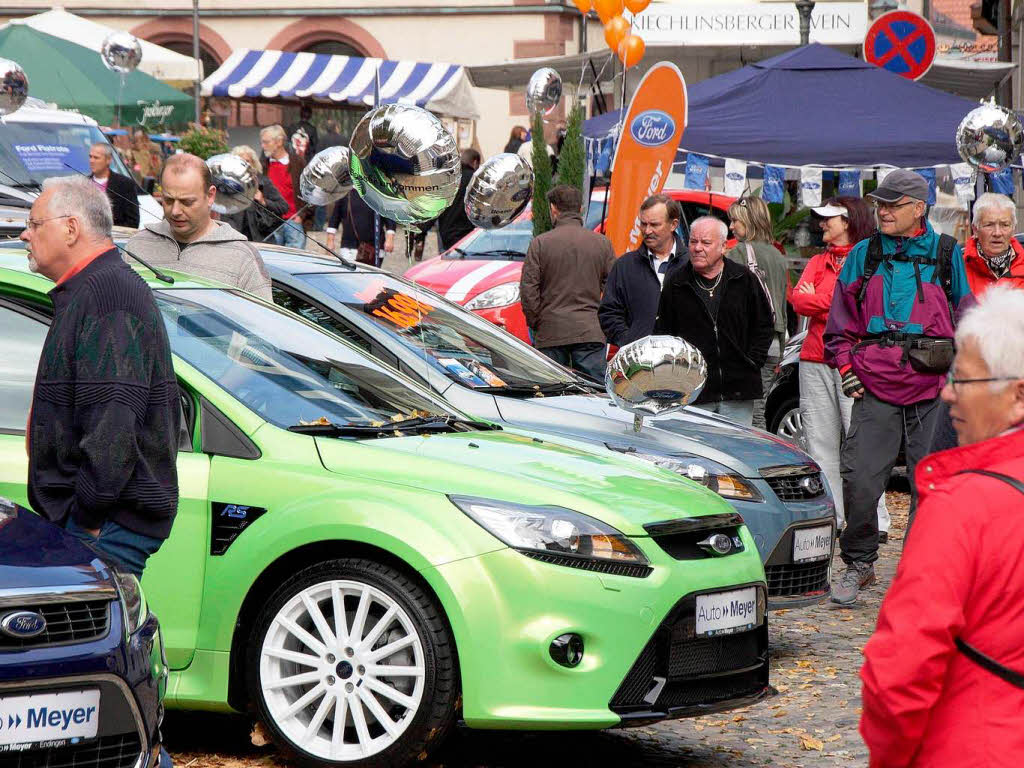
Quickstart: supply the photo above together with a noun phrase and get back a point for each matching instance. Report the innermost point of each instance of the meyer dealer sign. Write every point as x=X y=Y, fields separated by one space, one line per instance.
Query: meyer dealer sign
x=677 y=23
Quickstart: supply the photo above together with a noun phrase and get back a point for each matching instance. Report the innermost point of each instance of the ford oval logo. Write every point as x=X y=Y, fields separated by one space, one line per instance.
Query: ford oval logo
x=22 y=624
x=653 y=128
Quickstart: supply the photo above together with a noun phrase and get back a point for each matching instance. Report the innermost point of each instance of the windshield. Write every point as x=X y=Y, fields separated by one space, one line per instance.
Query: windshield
x=511 y=241
x=284 y=370
x=32 y=152
x=456 y=343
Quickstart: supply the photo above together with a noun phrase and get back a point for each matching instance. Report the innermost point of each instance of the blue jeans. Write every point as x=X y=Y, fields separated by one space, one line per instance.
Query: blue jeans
x=589 y=358
x=290 y=235
x=129 y=550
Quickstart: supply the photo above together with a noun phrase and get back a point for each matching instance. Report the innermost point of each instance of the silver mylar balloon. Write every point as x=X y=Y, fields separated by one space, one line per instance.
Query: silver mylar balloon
x=327 y=177
x=235 y=181
x=655 y=375
x=498 y=191
x=990 y=137
x=404 y=163
x=13 y=87
x=121 y=51
x=544 y=91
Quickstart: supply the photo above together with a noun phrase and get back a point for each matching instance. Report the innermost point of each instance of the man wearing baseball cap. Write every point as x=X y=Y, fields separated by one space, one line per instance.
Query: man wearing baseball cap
x=889 y=334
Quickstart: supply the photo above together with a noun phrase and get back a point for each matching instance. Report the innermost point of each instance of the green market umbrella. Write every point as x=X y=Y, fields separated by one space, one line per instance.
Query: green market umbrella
x=74 y=77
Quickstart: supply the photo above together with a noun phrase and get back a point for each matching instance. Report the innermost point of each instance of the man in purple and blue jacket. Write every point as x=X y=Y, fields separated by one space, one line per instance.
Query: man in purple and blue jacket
x=889 y=333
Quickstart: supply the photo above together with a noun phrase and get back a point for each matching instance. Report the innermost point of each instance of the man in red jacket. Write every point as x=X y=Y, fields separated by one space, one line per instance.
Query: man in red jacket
x=928 y=698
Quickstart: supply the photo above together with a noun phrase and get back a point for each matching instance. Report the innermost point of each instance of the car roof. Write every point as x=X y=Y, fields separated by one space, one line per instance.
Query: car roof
x=297 y=262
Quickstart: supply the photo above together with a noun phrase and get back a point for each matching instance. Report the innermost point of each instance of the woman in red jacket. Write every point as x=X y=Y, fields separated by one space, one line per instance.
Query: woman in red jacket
x=824 y=409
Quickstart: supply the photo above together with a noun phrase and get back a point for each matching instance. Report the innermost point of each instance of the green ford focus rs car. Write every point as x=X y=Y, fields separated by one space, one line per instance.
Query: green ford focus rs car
x=361 y=566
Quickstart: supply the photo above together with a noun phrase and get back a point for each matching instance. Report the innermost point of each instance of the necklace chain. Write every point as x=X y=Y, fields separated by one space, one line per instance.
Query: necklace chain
x=709 y=288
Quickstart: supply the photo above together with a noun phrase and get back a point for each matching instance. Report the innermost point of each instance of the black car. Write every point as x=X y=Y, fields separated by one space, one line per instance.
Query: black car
x=782 y=398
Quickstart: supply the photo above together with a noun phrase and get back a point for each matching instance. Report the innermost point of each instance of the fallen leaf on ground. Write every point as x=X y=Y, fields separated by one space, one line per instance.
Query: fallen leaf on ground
x=810 y=743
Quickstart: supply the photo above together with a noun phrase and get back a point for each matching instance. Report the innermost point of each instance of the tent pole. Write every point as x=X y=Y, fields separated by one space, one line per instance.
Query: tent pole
x=195 y=55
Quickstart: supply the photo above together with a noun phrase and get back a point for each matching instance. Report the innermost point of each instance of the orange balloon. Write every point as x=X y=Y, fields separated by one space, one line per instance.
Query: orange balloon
x=606 y=9
x=616 y=29
x=584 y=6
x=631 y=50
x=636 y=6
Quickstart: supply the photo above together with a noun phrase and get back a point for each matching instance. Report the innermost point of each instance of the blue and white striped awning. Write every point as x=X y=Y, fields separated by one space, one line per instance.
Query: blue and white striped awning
x=282 y=76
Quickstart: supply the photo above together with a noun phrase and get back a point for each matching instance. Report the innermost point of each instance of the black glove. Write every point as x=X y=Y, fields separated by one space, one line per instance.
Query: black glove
x=851 y=384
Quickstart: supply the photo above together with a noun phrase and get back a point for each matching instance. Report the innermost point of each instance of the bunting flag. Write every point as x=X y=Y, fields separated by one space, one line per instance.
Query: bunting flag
x=1002 y=181
x=735 y=177
x=810 y=187
x=964 y=178
x=696 y=171
x=929 y=176
x=881 y=173
x=849 y=184
x=774 y=190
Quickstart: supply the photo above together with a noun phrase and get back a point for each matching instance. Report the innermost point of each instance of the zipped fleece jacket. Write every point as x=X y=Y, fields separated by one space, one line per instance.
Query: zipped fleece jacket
x=961 y=575
x=891 y=303
x=222 y=254
x=103 y=431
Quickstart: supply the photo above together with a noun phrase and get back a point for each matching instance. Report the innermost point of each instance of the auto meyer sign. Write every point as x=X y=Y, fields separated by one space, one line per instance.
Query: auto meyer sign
x=713 y=23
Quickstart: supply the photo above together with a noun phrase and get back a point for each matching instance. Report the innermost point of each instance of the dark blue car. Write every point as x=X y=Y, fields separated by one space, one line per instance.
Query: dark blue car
x=82 y=670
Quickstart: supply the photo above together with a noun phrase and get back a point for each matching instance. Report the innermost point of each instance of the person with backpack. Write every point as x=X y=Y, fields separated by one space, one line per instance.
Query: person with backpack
x=890 y=336
x=943 y=674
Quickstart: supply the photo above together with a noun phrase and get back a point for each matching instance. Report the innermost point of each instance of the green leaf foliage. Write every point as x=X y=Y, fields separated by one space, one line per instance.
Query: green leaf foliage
x=572 y=160
x=541 y=177
x=204 y=142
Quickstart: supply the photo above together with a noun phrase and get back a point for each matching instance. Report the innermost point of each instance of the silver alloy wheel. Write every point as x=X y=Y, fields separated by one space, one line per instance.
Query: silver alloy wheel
x=791 y=427
x=342 y=670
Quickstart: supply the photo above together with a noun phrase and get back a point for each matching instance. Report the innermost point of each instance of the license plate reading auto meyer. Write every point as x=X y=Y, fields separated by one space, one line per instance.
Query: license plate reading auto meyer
x=722 y=613
x=41 y=717
x=812 y=544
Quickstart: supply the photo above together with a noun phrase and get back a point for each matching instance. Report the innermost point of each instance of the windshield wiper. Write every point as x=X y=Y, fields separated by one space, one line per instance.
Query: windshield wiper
x=387 y=429
x=505 y=253
x=558 y=388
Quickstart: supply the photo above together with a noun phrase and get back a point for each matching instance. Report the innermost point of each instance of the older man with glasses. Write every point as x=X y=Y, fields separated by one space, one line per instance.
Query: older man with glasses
x=890 y=336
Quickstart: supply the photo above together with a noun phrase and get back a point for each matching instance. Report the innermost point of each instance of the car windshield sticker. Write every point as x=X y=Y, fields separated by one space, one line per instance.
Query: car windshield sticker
x=52 y=158
x=471 y=372
x=398 y=308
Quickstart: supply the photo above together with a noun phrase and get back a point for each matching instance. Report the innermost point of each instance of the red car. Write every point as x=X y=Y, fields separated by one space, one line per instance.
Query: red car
x=482 y=270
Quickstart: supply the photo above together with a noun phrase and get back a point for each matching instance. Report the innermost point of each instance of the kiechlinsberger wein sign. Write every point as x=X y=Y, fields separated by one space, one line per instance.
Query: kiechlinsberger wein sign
x=768 y=23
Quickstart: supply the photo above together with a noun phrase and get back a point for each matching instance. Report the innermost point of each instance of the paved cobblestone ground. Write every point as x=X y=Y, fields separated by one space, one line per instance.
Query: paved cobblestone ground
x=816 y=658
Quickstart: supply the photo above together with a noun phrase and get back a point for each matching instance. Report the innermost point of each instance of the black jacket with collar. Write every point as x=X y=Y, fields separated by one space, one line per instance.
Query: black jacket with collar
x=735 y=344
x=630 y=301
x=124 y=200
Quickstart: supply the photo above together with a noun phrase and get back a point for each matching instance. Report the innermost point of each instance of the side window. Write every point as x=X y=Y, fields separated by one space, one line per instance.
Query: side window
x=20 y=346
x=316 y=315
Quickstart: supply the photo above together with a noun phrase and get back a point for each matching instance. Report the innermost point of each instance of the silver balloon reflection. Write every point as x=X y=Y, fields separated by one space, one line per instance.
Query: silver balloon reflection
x=544 y=91
x=655 y=375
x=235 y=181
x=327 y=177
x=498 y=191
x=990 y=137
x=121 y=52
x=13 y=87
x=404 y=163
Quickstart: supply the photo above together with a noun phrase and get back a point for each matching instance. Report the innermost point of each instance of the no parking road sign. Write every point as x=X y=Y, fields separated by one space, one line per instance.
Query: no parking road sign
x=901 y=42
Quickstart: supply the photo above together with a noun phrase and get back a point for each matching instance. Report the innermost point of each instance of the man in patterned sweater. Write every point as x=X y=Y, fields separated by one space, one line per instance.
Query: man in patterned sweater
x=103 y=430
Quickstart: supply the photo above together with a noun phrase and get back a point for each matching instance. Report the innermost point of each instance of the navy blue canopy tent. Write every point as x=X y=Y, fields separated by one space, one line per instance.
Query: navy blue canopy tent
x=816 y=106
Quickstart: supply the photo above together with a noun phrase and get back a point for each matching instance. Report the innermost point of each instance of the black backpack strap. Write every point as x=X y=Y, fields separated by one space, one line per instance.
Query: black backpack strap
x=944 y=270
x=871 y=263
x=1014 y=678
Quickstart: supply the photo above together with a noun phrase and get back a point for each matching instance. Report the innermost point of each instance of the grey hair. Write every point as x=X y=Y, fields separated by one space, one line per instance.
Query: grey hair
x=106 y=148
x=993 y=200
x=250 y=155
x=996 y=325
x=274 y=131
x=723 y=228
x=80 y=197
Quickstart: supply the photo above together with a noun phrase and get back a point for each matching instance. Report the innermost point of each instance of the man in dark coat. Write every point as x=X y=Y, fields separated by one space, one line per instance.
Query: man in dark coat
x=124 y=200
x=719 y=306
x=259 y=220
x=356 y=220
x=563 y=276
x=453 y=224
x=630 y=300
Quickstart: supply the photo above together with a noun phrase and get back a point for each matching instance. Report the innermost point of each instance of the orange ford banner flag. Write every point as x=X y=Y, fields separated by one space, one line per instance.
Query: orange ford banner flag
x=647 y=147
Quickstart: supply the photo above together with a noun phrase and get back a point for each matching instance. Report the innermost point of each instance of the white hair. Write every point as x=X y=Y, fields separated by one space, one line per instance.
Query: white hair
x=996 y=325
x=250 y=156
x=104 y=148
x=722 y=227
x=993 y=200
x=274 y=132
x=81 y=197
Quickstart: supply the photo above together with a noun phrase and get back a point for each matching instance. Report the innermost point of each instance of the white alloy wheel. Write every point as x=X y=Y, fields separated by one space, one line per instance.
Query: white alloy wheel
x=342 y=670
x=791 y=427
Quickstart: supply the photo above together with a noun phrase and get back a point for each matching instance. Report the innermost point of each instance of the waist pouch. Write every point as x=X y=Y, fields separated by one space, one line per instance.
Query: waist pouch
x=925 y=354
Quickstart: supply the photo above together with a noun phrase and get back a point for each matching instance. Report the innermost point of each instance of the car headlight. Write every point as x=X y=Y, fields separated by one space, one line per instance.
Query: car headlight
x=498 y=296
x=716 y=477
x=550 y=530
x=133 y=601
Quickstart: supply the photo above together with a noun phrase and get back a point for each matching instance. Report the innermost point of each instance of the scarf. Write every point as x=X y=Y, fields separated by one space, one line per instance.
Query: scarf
x=1000 y=265
x=839 y=253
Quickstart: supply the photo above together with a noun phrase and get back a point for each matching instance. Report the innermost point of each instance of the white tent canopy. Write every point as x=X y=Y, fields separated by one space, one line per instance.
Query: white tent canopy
x=161 y=63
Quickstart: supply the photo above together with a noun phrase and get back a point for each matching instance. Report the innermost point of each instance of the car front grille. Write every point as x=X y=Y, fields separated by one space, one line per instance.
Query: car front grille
x=790 y=579
x=73 y=621
x=121 y=751
x=795 y=483
x=678 y=670
x=681 y=538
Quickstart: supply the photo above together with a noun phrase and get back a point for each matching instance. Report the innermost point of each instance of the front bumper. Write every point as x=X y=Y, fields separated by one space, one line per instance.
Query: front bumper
x=505 y=609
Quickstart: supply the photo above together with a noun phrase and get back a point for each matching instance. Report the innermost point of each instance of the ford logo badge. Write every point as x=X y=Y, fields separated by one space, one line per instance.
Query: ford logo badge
x=22 y=625
x=652 y=128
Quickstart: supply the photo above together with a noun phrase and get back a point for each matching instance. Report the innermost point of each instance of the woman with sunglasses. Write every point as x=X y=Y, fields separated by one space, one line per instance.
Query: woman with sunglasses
x=824 y=409
x=751 y=224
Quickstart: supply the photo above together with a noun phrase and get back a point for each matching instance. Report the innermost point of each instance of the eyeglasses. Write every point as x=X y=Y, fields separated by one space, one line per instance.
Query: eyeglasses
x=880 y=206
x=35 y=224
x=954 y=382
